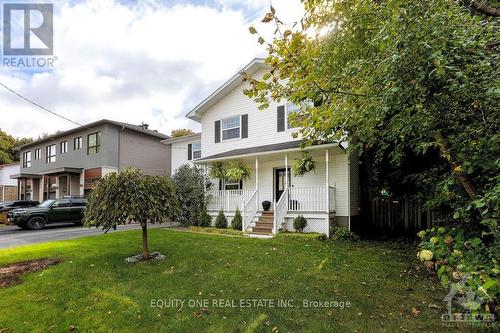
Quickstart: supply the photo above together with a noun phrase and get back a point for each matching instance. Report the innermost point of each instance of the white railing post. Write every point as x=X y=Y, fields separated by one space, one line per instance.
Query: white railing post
x=274 y=217
x=243 y=215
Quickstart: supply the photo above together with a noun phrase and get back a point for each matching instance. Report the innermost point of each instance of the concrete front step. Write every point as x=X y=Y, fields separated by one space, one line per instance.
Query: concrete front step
x=259 y=235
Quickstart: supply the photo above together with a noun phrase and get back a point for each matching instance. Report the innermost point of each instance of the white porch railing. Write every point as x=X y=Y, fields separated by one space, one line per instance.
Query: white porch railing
x=280 y=210
x=228 y=200
x=249 y=210
x=309 y=199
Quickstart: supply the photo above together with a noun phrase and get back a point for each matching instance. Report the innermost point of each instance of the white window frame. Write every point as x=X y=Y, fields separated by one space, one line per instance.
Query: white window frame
x=228 y=183
x=77 y=143
x=38 y=153
x=27 y=159
x=63 y=147
x=222 y=129
x=297 y=109
x=49 y=158
x=195 y=150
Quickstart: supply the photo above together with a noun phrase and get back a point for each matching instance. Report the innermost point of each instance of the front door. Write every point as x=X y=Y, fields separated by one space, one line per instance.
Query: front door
x=280 y=182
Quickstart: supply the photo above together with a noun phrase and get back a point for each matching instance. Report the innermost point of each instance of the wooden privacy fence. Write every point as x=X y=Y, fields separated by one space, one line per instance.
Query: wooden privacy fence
x=397 y=217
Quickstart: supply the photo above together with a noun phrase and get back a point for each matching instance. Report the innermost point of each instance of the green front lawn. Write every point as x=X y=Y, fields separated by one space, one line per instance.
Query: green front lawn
x=94 y=290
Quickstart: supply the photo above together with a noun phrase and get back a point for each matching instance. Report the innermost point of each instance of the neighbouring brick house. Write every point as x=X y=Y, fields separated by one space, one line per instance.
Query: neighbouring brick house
x=69 y=163
x=8 y=186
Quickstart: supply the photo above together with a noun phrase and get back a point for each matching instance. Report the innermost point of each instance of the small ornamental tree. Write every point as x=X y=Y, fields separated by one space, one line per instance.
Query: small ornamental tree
x=191 y=185
x=237 y=221
x=130 y=196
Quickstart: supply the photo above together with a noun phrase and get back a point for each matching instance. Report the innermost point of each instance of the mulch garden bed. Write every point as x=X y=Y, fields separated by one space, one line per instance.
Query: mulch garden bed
x=11 y=274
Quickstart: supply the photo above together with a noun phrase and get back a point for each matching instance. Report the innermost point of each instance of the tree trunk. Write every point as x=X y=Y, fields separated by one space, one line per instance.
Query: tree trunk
x=481 y=6
x=145 y=251
x=457 y=170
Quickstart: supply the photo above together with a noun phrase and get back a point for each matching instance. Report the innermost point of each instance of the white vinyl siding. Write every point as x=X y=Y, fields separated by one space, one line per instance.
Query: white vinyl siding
x=180 y=151
x=261 y=124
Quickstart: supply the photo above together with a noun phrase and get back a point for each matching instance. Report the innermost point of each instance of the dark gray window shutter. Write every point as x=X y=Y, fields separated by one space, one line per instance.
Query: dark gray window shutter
x=244 y=126
x=217 y=131
x=190 y=152
x=281 y=118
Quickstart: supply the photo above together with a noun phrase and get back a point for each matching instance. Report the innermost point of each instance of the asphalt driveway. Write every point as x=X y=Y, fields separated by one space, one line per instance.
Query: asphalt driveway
x=14 y=236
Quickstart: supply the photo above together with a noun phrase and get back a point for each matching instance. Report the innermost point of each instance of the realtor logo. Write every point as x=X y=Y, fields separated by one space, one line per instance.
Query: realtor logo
x=28 y=35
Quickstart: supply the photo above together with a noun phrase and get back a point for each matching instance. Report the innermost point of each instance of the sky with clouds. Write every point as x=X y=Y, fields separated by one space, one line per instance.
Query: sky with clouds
x=137 y=61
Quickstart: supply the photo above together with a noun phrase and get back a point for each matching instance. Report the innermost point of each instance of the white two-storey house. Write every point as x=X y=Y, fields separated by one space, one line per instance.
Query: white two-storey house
x=233 y=129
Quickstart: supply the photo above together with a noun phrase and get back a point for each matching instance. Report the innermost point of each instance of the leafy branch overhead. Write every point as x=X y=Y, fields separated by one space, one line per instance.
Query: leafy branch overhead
x=417 y=97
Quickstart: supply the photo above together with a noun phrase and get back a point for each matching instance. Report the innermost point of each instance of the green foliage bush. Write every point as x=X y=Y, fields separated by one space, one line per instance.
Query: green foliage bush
x=237 y=222
x=343 y=234
x=455 y=254
x=217 y=231
x=204 y=220
x=302 y=236
x=221 y=220
x=299 y=223
x=190 y=182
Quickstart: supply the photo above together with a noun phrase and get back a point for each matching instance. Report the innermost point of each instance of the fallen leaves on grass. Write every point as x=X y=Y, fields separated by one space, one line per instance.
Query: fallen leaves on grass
x=11 y=274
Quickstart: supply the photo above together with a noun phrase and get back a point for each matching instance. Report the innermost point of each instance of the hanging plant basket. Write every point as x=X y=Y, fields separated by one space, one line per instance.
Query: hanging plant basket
x=237 y=171
x=217 y=171
x=304 y=165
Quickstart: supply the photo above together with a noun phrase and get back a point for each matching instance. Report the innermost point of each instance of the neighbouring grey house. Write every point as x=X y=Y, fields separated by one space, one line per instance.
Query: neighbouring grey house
x=70 y=162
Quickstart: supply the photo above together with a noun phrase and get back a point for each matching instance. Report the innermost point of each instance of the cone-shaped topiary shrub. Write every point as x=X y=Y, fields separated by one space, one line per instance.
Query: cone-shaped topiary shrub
x=237 y=222
x=221 y=220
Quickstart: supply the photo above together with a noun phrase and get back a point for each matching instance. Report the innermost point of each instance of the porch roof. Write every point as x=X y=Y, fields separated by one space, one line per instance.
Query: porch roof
x=267 y=149
x=62 y=170
x=24 y=175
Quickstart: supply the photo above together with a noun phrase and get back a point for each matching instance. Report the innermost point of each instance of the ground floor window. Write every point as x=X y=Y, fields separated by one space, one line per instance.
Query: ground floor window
x=230 y=185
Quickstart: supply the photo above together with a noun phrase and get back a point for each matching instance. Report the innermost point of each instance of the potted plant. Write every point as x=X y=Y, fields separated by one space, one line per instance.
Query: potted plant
x=266 y=205
x=217 y=171
x=304 y=165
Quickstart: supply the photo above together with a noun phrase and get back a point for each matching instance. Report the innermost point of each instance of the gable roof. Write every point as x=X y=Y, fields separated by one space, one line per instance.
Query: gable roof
x=226 y=88
x=182 y=138
x=135 y=128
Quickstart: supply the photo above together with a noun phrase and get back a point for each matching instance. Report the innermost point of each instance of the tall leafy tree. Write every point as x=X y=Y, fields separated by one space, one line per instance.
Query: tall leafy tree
x=416 y=85
x=406 y=86
x=8 y=143
x=177 y=133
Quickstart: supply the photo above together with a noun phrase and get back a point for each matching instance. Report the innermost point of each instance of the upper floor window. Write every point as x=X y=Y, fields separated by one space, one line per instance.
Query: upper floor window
x=93 y=143
x=291 y=109
x=196 y=150
x=27 y=159
x=38 y=153
x=77 y=143
x=231 y=128
x=64 y=147
x=50 y=154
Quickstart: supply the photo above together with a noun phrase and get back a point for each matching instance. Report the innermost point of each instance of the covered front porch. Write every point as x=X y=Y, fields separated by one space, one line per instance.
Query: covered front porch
x=313 y=195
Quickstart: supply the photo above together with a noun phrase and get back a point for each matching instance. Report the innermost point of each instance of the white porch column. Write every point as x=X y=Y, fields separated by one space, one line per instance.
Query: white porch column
x=257 y=183
x=286 y=171
x=327 y=178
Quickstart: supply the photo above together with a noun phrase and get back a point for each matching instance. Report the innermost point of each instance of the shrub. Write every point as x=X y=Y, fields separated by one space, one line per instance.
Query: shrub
x=302 y=236
x=204 y=220
x=217 y=231
x=456 y=255
x=299 y=223
x=344 y=234
x=190 y=182
x=237 y=222
x=221 y=220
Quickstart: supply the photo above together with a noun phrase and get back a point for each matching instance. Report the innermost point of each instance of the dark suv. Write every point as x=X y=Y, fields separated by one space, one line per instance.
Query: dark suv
x=68 y=209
